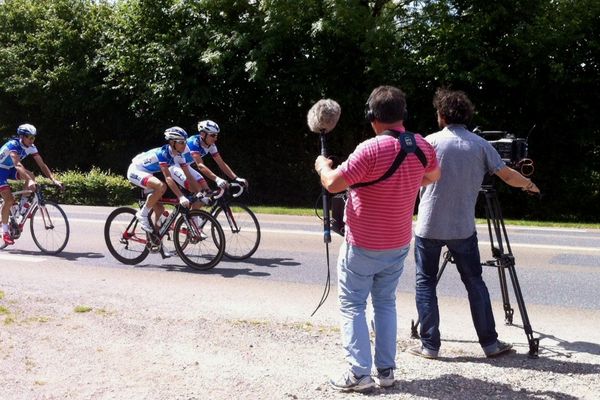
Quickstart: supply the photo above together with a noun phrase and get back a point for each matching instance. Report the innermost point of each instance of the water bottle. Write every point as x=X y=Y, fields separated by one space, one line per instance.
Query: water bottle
x=24 y=206
x=163 y=218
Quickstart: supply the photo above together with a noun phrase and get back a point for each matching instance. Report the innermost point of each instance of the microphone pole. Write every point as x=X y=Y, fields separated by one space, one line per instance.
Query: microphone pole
x=325 y=196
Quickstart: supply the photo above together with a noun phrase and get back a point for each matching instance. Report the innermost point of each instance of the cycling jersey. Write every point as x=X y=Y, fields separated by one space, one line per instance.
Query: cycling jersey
x=197 y=146
x=152 y=160
x=14 y=145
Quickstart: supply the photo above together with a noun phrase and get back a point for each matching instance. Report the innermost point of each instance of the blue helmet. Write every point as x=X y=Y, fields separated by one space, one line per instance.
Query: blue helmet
x=26 y=129
x=175 y=133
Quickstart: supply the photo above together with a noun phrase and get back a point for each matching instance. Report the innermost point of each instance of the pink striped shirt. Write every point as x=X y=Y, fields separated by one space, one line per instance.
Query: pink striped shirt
x=379 y=216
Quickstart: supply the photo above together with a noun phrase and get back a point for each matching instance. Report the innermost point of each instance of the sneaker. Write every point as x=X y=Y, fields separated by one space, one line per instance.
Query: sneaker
x=497 y=349
x=144 y=222
x=7 y=238
x=385 y=377
x=423 y=352
x=350 y=383
x=198 y=221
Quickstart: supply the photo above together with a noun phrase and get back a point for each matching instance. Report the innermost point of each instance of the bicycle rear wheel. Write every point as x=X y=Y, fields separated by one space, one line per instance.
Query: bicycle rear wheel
x=125 y=238
x=49 y=227
x=241 y=228
x=199 y=240
x=2 y=244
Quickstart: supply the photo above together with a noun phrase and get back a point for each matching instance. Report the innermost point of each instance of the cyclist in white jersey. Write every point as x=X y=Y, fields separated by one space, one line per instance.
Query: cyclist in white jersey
x=145 y=165
x=204 y=144
x=11 y=154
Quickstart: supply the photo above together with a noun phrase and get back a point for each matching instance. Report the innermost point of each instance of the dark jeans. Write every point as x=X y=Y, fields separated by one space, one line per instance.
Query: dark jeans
x=466 y=256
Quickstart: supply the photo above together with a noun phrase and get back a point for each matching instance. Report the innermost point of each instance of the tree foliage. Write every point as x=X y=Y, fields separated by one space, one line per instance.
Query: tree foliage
x=102 y=79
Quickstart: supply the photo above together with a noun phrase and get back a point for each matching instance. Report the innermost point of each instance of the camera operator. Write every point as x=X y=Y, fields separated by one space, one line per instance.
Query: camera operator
x=378 y=233
x=447 y=217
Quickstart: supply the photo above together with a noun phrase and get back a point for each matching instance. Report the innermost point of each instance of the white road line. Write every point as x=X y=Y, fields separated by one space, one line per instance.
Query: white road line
x=16 y=257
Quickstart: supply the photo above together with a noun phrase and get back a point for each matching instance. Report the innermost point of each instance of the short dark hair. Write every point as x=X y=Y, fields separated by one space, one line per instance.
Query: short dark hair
x=387 y=104
x=453 y=105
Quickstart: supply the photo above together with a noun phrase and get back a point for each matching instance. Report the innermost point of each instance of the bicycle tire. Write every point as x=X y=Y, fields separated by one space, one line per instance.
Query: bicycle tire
x=199 y=252
x=49 y=226
x=125 y=239
x=242 y=234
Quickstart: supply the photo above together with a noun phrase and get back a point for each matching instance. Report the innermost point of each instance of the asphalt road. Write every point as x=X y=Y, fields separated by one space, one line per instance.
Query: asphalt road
x=554 y=266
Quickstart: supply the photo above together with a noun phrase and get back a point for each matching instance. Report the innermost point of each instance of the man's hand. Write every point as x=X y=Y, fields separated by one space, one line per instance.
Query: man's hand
x=322 y=162
x=222 y=183
x=531 y=188
x=241 y=181
x=184 y=201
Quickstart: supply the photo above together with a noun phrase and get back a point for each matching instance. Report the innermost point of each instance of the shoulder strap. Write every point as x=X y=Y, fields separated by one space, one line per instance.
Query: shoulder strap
x=409 y=146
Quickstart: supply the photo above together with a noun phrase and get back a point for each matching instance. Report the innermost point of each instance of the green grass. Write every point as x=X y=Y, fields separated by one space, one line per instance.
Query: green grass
x=4 y=310
x=82 y=309
x=1 y=294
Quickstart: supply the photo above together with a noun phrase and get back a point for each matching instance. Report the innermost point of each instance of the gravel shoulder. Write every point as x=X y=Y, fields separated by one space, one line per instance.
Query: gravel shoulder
x=162 y=335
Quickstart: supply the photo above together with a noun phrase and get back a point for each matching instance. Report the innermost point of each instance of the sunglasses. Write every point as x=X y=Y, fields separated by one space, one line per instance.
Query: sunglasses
x=213 y=134
x=179 y=141
x=30 y=137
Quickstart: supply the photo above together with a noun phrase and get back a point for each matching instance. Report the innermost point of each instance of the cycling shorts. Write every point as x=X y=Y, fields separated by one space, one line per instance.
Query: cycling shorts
x=5 y=175
x=179 y=176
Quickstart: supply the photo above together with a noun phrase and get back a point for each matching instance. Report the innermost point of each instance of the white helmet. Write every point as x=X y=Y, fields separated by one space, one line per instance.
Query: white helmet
x=175 y=133
x=208 y=126
x=26 y=129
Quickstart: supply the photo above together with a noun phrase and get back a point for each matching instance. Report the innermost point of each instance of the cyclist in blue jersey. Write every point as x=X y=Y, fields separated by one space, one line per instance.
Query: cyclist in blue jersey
x=11 y=155
x=204 y=144
x=145 y=165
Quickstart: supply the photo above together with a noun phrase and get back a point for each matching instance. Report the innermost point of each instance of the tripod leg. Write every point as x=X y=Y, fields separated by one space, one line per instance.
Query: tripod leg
x=414 y=326
x=508 y=310
x=534 y=343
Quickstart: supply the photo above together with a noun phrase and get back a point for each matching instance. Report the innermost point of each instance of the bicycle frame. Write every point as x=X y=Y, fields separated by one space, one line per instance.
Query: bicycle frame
x=37 y=199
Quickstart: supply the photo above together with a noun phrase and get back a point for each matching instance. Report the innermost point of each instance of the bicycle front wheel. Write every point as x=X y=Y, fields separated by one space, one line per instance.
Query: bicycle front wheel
x=199 y=240
x=125 y=238
x=241 y=228
x=49 y=228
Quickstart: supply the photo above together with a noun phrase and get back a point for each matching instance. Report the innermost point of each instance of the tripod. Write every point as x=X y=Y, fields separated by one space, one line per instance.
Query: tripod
x=503 y=261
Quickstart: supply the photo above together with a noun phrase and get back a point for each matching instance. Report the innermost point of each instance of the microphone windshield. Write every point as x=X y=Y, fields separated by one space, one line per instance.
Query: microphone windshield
x=323 y=116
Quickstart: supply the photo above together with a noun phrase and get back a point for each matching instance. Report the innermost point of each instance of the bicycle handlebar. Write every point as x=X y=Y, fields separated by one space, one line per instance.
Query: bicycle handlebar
x=236 y=189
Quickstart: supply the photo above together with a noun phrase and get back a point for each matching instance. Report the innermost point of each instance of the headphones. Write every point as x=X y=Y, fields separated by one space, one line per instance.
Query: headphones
x=370 y=114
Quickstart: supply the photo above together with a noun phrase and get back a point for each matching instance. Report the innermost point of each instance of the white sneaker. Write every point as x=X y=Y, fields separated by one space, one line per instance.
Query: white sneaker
x=144 y=222
x=198 y=223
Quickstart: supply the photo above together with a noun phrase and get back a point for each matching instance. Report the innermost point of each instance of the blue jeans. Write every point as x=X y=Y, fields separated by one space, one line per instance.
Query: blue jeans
x=362 y=272
x=466 y=255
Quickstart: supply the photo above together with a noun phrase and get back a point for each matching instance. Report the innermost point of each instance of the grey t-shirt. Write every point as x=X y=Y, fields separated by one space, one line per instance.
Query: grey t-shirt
x=447 y=207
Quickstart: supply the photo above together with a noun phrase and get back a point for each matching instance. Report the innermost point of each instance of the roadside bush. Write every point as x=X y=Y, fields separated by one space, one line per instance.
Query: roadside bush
x=93 y=188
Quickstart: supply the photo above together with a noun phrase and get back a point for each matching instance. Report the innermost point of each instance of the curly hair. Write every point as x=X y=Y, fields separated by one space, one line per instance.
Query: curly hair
x=453 y=105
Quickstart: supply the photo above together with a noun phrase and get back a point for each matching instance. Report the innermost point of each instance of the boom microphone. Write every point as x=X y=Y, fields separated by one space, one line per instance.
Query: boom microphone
x=323 y=116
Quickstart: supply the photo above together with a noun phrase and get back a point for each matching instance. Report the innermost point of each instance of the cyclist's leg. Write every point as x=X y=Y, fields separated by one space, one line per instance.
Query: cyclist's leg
x=155 y=186
x=8 y=201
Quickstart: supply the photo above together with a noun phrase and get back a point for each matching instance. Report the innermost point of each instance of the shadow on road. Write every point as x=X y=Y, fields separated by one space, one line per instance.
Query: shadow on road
x=66 y=255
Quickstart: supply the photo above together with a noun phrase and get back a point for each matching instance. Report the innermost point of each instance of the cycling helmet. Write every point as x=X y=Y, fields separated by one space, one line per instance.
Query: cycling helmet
x=208 y=126
x=26 y=129
x=175 y=133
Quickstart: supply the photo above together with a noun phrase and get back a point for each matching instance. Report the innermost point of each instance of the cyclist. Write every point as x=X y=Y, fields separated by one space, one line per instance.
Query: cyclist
x=204 y=144
x=11 y=155
x=145 y=165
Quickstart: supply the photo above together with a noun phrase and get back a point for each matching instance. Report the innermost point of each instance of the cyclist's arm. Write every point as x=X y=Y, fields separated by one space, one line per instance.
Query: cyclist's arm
x=204 y=170
x=170 y=181
x=224 y=167
x=44 y=168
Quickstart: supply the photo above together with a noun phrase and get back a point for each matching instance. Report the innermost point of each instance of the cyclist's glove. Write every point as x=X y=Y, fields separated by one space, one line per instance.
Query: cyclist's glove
x=184 y=201
x=222 y=183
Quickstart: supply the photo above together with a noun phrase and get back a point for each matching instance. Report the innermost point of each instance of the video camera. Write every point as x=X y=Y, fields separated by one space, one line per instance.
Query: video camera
x=512 y=150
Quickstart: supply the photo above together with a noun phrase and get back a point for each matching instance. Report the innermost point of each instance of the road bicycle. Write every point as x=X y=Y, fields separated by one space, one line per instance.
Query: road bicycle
x=196 y=235
x=47 y=221
x=240 y=225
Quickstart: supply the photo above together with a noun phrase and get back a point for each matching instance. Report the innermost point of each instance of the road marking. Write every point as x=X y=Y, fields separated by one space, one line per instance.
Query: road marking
x=17 y=257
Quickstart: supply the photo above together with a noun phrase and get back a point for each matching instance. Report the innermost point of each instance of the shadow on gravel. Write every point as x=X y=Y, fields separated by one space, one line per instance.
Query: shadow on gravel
x=453 y=386
x=67 y=255
x=275 y=262
x=543 y=364
x=573 y=347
